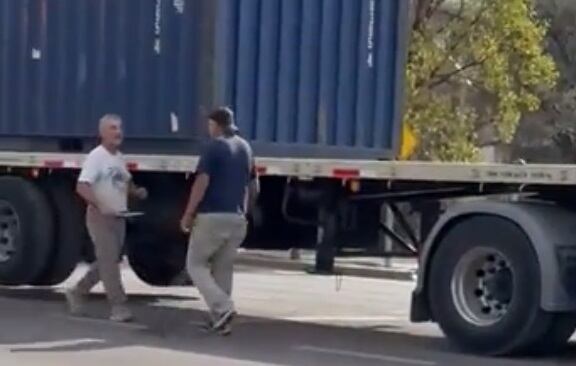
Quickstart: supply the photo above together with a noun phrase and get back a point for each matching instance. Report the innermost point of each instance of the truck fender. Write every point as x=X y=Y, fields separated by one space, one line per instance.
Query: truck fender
x=552 y=231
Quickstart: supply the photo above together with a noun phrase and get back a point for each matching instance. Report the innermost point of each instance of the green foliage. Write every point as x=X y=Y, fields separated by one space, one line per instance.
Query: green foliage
x=472 y=64
x=438 y=139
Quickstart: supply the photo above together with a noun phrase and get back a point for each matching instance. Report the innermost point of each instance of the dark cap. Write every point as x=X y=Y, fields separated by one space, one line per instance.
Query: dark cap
x=224 y=118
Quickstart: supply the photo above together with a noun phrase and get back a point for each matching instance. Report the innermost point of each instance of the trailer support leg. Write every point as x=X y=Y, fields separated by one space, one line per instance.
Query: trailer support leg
x=327 y=246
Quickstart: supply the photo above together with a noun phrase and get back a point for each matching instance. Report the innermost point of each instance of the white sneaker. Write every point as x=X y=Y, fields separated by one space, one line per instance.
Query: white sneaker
x=121 y=314
x=76 y=303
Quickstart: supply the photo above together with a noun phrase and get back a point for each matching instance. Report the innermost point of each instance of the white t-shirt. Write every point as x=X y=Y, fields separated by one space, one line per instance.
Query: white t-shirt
x=109 y=178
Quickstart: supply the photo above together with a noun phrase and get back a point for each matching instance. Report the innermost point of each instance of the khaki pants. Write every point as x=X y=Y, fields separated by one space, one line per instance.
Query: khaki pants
x=212 y=251
x=107 y=234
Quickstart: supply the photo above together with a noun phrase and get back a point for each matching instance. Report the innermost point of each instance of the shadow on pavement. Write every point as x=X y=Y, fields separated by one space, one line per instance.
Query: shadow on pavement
x=41 y=321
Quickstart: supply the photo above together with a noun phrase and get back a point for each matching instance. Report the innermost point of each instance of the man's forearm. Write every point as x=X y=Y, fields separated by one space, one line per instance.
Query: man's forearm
x=251 y=194
x=197 y=194
x=254 y=188
x=193 y=203
x=85 y=191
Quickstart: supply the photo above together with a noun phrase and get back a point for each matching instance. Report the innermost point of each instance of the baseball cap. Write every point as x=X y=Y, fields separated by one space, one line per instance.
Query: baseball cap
x=224 y=117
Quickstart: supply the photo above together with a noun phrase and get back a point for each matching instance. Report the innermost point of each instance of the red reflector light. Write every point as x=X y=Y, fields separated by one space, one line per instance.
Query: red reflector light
x=53 y=164
x=346 y=173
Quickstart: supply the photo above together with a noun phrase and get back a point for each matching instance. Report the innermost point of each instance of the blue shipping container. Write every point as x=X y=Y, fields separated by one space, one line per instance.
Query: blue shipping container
x=307 y=78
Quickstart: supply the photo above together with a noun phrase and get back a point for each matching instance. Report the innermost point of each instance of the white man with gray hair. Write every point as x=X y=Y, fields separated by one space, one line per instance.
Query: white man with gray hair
x=105 y=184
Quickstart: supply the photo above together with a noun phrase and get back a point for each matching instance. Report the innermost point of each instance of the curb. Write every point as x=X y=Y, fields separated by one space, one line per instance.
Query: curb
x=400 y=274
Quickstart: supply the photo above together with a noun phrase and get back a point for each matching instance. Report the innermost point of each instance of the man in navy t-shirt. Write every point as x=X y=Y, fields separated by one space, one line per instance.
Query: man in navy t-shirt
x=225 y=183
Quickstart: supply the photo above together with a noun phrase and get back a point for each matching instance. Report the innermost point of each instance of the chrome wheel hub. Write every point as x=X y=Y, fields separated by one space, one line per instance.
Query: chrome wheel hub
x=482 y=286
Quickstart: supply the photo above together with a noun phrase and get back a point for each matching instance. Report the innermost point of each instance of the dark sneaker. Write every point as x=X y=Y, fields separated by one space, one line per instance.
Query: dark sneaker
x=223 y=321
x=207 y=325
x=225 y=331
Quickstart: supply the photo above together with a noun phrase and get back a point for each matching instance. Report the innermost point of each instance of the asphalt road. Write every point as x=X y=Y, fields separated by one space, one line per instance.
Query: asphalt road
x=288 y=319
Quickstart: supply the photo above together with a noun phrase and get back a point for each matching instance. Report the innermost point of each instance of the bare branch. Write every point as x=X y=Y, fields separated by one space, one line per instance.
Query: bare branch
x=457 y=42
x=446 y=77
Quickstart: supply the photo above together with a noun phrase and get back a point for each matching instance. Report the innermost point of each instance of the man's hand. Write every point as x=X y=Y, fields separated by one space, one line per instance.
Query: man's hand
x=106 y=211
x=141 y=193
x=187 y=222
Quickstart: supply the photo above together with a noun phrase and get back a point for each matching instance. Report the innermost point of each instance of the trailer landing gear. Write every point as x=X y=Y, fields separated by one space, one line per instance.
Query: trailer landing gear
x=327 y=246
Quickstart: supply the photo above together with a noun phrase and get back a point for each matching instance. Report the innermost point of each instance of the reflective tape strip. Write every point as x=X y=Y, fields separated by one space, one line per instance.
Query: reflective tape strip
x=261 y=170
x=53 y=164
x=132 y=166
x=345 y=173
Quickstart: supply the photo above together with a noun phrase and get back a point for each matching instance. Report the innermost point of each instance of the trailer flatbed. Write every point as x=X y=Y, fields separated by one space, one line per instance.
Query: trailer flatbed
x=481 y=173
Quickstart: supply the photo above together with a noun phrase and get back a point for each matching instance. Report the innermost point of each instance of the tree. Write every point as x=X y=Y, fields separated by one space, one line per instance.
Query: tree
x=474 y=68
x=549 y=135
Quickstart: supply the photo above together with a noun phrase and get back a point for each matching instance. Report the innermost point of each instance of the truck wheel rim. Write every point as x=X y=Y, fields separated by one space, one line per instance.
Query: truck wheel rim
x=482 y=286
x=9 y=230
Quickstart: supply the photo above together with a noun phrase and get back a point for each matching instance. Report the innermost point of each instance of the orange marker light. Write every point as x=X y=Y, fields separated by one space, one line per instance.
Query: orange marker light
x=355 y=186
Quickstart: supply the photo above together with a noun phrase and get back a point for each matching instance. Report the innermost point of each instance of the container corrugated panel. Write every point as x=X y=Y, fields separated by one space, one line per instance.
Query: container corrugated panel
x=64 y=63
x=325 y=76
x=314 y=78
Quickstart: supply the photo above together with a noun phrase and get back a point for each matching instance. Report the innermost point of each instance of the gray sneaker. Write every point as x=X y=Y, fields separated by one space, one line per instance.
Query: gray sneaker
x=121 y=314
x=76 y=303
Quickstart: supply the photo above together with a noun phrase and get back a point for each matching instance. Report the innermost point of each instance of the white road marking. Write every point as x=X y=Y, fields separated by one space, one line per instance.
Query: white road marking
x=133 y=326
x=347 y=319
x=367 y=356
x=52 y=344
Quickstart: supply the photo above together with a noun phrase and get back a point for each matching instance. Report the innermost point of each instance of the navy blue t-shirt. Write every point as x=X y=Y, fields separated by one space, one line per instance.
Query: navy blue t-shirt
x=228 y=161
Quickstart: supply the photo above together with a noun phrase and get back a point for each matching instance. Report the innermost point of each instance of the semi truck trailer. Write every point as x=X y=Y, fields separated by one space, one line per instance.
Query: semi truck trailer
x=317 y=87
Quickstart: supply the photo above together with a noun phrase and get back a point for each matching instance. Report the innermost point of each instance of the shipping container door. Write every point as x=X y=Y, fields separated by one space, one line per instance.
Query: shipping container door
x=321 y=76
x=65 y=63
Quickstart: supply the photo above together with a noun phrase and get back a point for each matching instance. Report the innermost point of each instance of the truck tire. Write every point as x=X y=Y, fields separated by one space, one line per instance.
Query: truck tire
x=156 y=247
x=484 y=289
x=26 y=231
x=156 y=260
x=70 y=236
